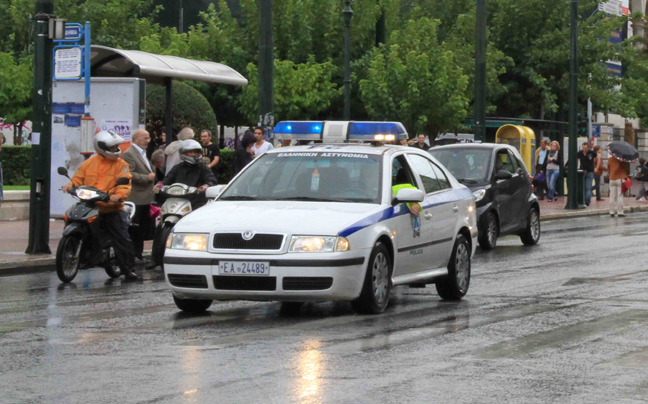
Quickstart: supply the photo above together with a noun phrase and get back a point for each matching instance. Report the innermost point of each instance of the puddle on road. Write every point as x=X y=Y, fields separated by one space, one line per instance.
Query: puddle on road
x=636 y=359
x=437 y=328
x=555 y=338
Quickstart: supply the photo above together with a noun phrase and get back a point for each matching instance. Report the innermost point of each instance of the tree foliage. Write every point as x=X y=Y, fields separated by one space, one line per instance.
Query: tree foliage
x=190 y=108
x=15 y=89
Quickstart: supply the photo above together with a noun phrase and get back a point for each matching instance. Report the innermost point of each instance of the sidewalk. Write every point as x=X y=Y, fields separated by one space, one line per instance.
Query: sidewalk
x=14 y=235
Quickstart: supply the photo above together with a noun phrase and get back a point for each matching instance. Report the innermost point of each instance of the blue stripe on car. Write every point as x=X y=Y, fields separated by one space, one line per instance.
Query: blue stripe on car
x=399 y=210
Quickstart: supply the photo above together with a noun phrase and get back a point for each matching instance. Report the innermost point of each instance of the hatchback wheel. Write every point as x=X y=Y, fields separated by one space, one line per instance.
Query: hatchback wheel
x=531 y=234
x=455 y=285
x=377 y=283
x=488 y=238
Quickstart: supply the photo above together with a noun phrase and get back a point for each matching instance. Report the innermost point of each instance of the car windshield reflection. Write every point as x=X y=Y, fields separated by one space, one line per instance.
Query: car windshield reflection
x=467 y=165
x=311 y=177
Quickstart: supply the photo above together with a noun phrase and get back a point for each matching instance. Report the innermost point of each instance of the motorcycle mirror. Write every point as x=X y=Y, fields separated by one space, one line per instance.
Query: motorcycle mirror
x=63 y=171
x=122 y=181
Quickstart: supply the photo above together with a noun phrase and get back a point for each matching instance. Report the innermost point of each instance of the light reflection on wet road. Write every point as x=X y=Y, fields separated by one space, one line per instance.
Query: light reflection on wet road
x=564 y=321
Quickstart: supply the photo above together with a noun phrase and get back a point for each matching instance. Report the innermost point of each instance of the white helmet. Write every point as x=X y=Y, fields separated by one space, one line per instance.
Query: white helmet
x=104 y=141
x=187 y=145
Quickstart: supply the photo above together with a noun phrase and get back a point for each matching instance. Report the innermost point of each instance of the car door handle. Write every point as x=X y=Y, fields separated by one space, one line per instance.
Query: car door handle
x=427 y=216
x=455 y=209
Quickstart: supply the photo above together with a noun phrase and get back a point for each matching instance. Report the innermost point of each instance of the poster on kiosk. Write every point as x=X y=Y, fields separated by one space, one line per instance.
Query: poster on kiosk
x=117 y=104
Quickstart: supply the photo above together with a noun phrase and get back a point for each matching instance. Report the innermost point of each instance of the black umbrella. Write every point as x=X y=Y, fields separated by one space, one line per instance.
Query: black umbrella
x=623 y=151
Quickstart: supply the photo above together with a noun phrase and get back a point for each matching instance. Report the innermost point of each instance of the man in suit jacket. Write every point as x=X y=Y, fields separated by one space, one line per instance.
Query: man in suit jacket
x=142 y=188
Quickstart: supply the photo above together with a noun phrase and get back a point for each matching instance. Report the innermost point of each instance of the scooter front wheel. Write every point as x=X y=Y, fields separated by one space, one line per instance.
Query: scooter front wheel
x=111 y=266
x=68 y=258
x=159 y=244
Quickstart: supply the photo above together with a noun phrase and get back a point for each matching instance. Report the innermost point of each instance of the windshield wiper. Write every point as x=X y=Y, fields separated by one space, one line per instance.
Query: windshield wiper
x=466 y=181
x=307 y=198
x=238 y=198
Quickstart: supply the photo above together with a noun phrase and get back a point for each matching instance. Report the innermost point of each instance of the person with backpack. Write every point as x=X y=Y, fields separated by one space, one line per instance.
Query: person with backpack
x=641 y=174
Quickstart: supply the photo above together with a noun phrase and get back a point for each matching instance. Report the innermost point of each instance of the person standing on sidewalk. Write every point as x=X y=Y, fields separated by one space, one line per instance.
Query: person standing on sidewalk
x=173 y=150
x=598 y=171
x=420 y=144
x=541 y=157
x=1 y=192
x=618 y=173
x=586 y=163
x=142 y=190
x=210 y=152
x=553 y=169
x=260 y=146
x=641 y=174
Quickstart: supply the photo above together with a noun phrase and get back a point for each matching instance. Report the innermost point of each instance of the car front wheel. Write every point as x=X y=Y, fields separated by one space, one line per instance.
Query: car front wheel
x=531 y=234
x=455 y=285
x=488 y=238
x=377 y=283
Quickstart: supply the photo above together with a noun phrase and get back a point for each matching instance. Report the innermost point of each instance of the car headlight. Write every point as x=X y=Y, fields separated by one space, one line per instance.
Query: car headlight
x=188 y=241
x=318 y=244
x=479 y=194
x=86 y=194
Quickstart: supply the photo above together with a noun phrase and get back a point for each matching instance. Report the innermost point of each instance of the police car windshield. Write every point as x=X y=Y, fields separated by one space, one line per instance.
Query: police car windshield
x=468 y=165
x=310 y=176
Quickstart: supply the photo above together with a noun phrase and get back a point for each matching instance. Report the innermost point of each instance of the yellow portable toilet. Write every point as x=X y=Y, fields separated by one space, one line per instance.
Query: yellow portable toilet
x=522 y=138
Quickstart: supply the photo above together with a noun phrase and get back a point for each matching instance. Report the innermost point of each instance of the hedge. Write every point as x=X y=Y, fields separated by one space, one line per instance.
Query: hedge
x=16 y=165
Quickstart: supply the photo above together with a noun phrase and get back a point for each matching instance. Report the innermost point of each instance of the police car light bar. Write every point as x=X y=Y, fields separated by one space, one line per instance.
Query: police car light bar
x=380 y=131
x=302 y=130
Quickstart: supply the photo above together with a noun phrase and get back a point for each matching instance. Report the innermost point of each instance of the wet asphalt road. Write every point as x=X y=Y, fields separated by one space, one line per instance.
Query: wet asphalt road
x=562 y=322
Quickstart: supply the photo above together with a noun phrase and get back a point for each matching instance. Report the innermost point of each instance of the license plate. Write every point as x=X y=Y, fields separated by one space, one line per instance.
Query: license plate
x=243 y=268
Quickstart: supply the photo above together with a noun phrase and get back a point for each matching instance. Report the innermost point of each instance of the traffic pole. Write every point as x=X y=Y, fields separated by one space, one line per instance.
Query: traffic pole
x=266 y=66
x=572 y=175
x=348 y=13
x=39 y=196
x=480 y=73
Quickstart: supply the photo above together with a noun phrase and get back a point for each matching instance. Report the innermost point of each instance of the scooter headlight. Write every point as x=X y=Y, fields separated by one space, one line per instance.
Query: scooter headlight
x=86 y=194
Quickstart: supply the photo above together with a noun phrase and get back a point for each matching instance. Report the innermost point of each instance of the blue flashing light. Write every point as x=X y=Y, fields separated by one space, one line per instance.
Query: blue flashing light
x=297 y=128
x=368 y=130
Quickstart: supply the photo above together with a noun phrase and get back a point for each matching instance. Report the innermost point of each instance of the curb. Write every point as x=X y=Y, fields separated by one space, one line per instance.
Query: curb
x=35 y=266
x=584 y=213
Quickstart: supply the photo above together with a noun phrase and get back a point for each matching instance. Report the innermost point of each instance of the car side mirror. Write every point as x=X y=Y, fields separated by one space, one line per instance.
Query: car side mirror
x=122 y=181
x=213 y=192
x=408 y=195
x=63 y=171
x=503 y=175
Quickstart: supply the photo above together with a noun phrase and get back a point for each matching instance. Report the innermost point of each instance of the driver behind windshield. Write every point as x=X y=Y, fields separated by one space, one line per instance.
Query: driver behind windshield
x=191 y=172
x=101 y=172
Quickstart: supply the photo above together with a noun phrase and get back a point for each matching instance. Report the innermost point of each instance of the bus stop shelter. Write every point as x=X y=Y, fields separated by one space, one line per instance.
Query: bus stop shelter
x=160 y=69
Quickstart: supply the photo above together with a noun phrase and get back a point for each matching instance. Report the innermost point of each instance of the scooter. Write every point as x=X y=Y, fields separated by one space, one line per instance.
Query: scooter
x=82 y=234
x=175 y=207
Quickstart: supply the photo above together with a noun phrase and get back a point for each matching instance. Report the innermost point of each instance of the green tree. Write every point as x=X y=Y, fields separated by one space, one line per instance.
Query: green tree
x=190 y=108
x=414 y=80
x=302 y=91
x=15 y=89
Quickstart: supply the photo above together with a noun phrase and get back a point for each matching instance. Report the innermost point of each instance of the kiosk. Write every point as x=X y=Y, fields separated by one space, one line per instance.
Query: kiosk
x=522 y=138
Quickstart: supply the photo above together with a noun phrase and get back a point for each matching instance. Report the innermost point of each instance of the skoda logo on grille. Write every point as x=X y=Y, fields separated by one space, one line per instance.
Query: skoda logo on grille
x=248 y=235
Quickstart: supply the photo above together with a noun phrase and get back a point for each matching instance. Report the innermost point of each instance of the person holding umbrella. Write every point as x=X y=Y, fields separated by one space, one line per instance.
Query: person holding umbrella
x=621 y=155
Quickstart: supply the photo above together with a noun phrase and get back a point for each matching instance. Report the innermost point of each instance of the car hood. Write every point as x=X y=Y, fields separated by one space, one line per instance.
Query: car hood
x=290 y=217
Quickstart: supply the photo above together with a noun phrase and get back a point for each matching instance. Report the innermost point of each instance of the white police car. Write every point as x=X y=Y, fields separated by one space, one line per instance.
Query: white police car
x=321 y=222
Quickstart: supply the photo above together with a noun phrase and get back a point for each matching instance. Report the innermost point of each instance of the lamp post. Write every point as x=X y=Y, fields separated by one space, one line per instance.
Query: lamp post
x=39 y=197
x=480 y=73
x=348 y=13
x=572 y=201
x=266 y=62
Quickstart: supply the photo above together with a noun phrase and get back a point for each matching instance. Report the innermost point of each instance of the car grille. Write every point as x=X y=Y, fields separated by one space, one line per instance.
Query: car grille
x=307 y=283
x=235 y=241
x=245 y=283
x=188 y=281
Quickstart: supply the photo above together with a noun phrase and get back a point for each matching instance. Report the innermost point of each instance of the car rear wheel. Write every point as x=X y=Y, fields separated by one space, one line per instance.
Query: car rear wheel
x=291 y=308
x=488 y=238
x=455 y=285
x=192 y=305
x=531 y=234
x=377 y=283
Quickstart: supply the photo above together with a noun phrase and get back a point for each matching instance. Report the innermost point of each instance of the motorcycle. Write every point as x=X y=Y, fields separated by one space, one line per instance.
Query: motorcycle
x=82 y=234
x=175 y=207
